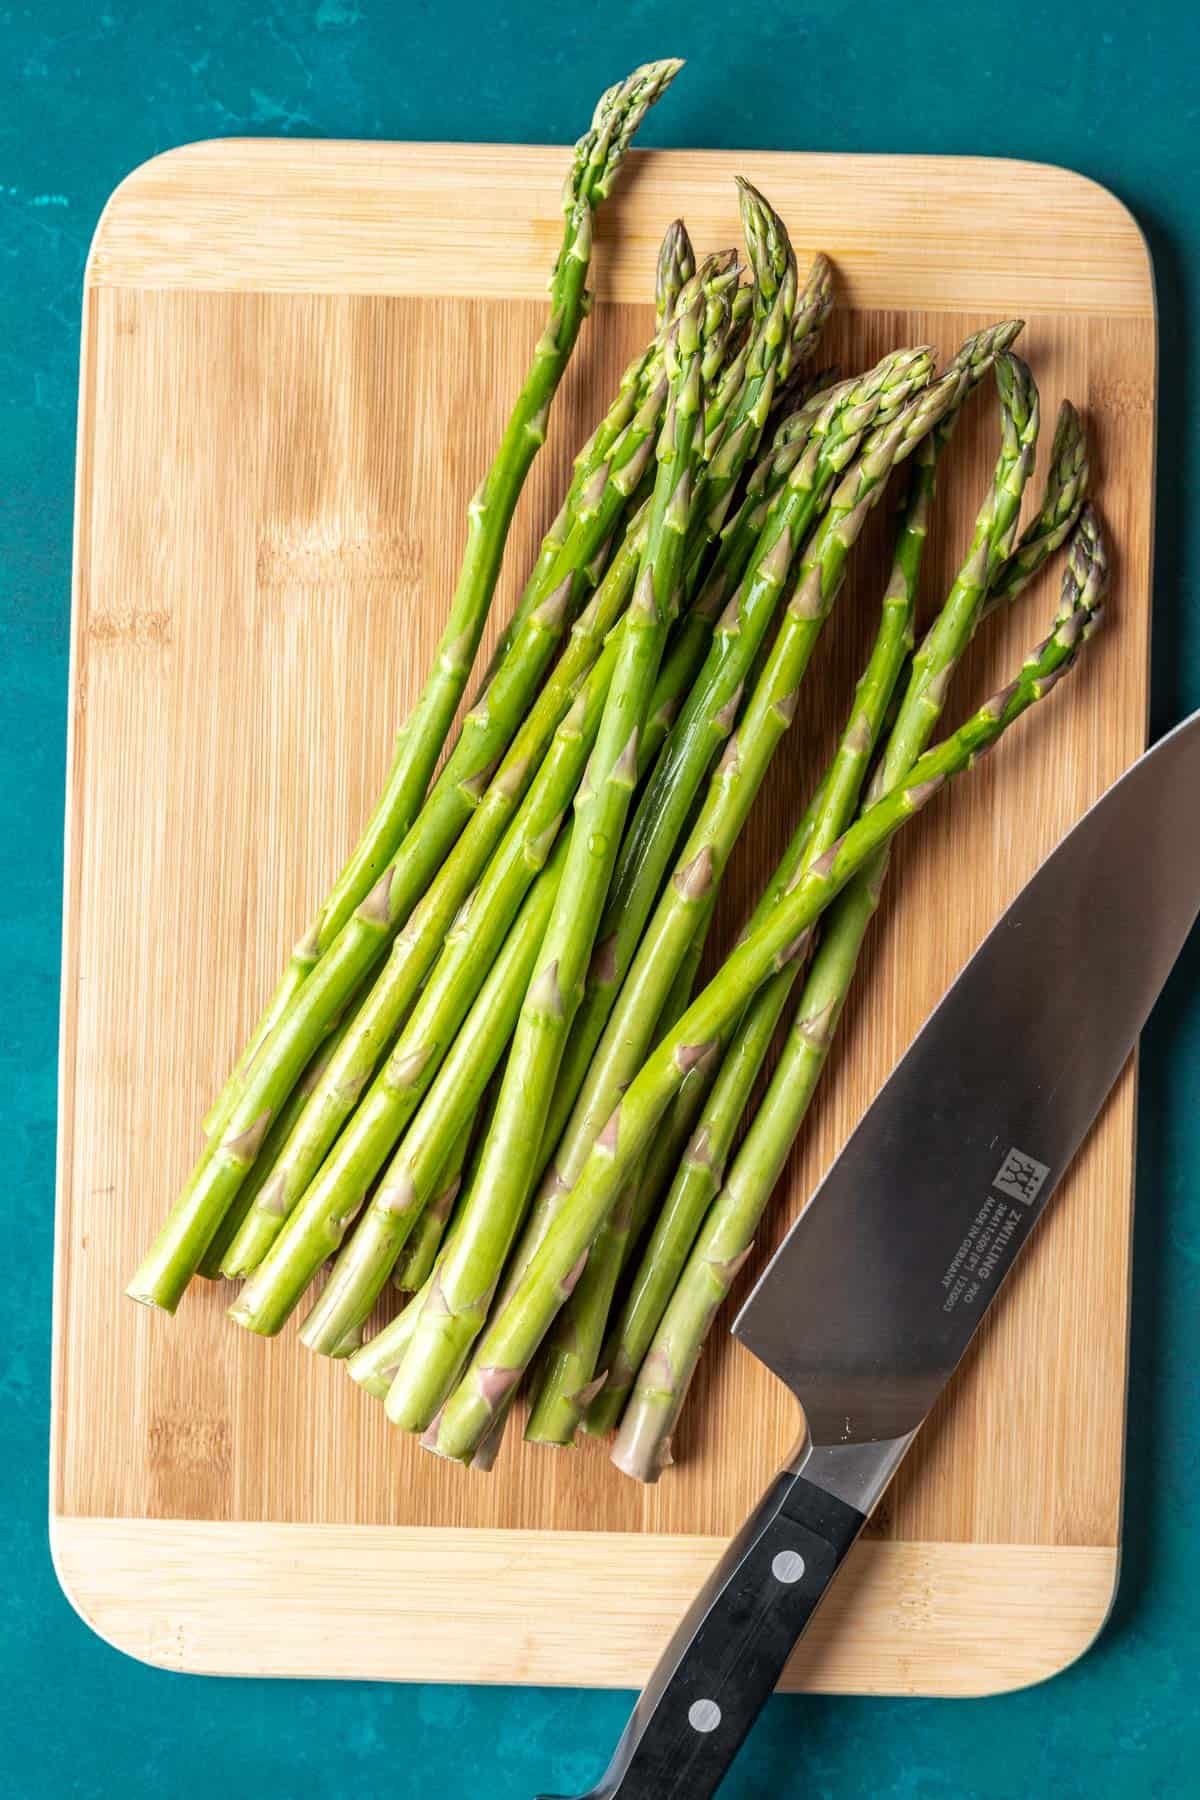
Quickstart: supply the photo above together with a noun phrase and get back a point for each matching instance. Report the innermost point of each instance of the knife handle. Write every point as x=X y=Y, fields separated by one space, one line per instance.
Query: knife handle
x=726 y=1657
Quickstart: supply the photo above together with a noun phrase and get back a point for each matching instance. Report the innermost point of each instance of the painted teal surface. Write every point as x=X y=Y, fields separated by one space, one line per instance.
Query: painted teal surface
x=93 y=89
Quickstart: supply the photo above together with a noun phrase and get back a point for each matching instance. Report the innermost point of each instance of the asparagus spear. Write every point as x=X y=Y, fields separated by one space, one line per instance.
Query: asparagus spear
x=739 y=534
x=336 y=1192
x=211 y=1264
x=315 y=1229
x=374 y=1364
x=847 y=922
x=1062 y=502
x=636 y=386
x=514 y=1335
x=839 y=431
x=597 y=158
x=643 y=1443
x=568 y=1383
x=418 y=945
x=362 y=896
x=676 y=266
x=457 y=1093
x=455 y=1309
x=739 y=407
x=393 y=994
x=365 y=1262
x=425 y=1239
x=992 y=542
x=832 y=807
x=737 y=781
x=623 y=1045
x=423 y=1244
x=696 y=1182
x=713 y=580
x=559 y=1176
x=633 y=1205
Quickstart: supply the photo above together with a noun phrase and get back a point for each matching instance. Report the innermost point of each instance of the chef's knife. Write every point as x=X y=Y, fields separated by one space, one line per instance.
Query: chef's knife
x=872 y=1299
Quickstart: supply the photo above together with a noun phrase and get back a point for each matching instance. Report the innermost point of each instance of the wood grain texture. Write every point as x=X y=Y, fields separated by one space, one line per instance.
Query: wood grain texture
x=903 y=1618
x=947 y=233
x=269 y=517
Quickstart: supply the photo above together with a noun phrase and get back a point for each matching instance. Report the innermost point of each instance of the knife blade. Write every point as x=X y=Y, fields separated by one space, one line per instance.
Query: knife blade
x=868 y=1306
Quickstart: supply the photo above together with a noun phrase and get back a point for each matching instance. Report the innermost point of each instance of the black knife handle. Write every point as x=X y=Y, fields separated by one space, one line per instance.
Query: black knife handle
x=725 y=1660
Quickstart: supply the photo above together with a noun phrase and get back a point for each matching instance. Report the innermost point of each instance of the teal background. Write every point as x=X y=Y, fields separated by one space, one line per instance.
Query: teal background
x=92 y=90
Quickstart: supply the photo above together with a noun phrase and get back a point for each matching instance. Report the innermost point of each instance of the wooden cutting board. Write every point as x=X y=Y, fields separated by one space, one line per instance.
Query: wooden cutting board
x=295 y=359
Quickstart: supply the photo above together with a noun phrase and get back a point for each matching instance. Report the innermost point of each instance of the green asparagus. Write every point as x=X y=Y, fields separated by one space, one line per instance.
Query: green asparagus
x=264 y=1079
x=452 y=1315
x=621 y=1048
x=517 y=1330
x=596 y=161
x=643 y=1443
x=704 y=724
x=846 y=925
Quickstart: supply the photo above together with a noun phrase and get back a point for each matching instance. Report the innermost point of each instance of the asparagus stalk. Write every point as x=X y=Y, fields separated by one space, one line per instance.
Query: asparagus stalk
x=676 y=266
x=568 y=1382
x=425 y=1239
x=455 y=1309
x=636 y=1213
x=560 y=1175
x=518 y=1329
x=456 y=1094
x=737 y=413
x=739 y=534
x=698 y=1176
x=675 y=269
x=365 y=1262
x=1062 y=502
x=419 y=943
x=741 y=402
x=846 y=925
x=831 y=809
x=713 y=580
x=643 y=1442
x=739 y=778
x=840 y=430
x=316 y=1227
x=636 y=386
x=374 y=1364
x=211 y=1264
x=337 y=1191
x=362 y=902
x=991 y=544
x=696 y=1181
x=597 y=158
x=424 y=1243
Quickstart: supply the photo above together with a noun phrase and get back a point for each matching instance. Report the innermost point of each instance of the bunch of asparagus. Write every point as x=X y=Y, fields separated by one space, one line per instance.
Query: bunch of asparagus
x=486 y=1074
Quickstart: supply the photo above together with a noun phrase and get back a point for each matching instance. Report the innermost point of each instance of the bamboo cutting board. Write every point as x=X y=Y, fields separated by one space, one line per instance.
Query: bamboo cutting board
x=296 y=357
